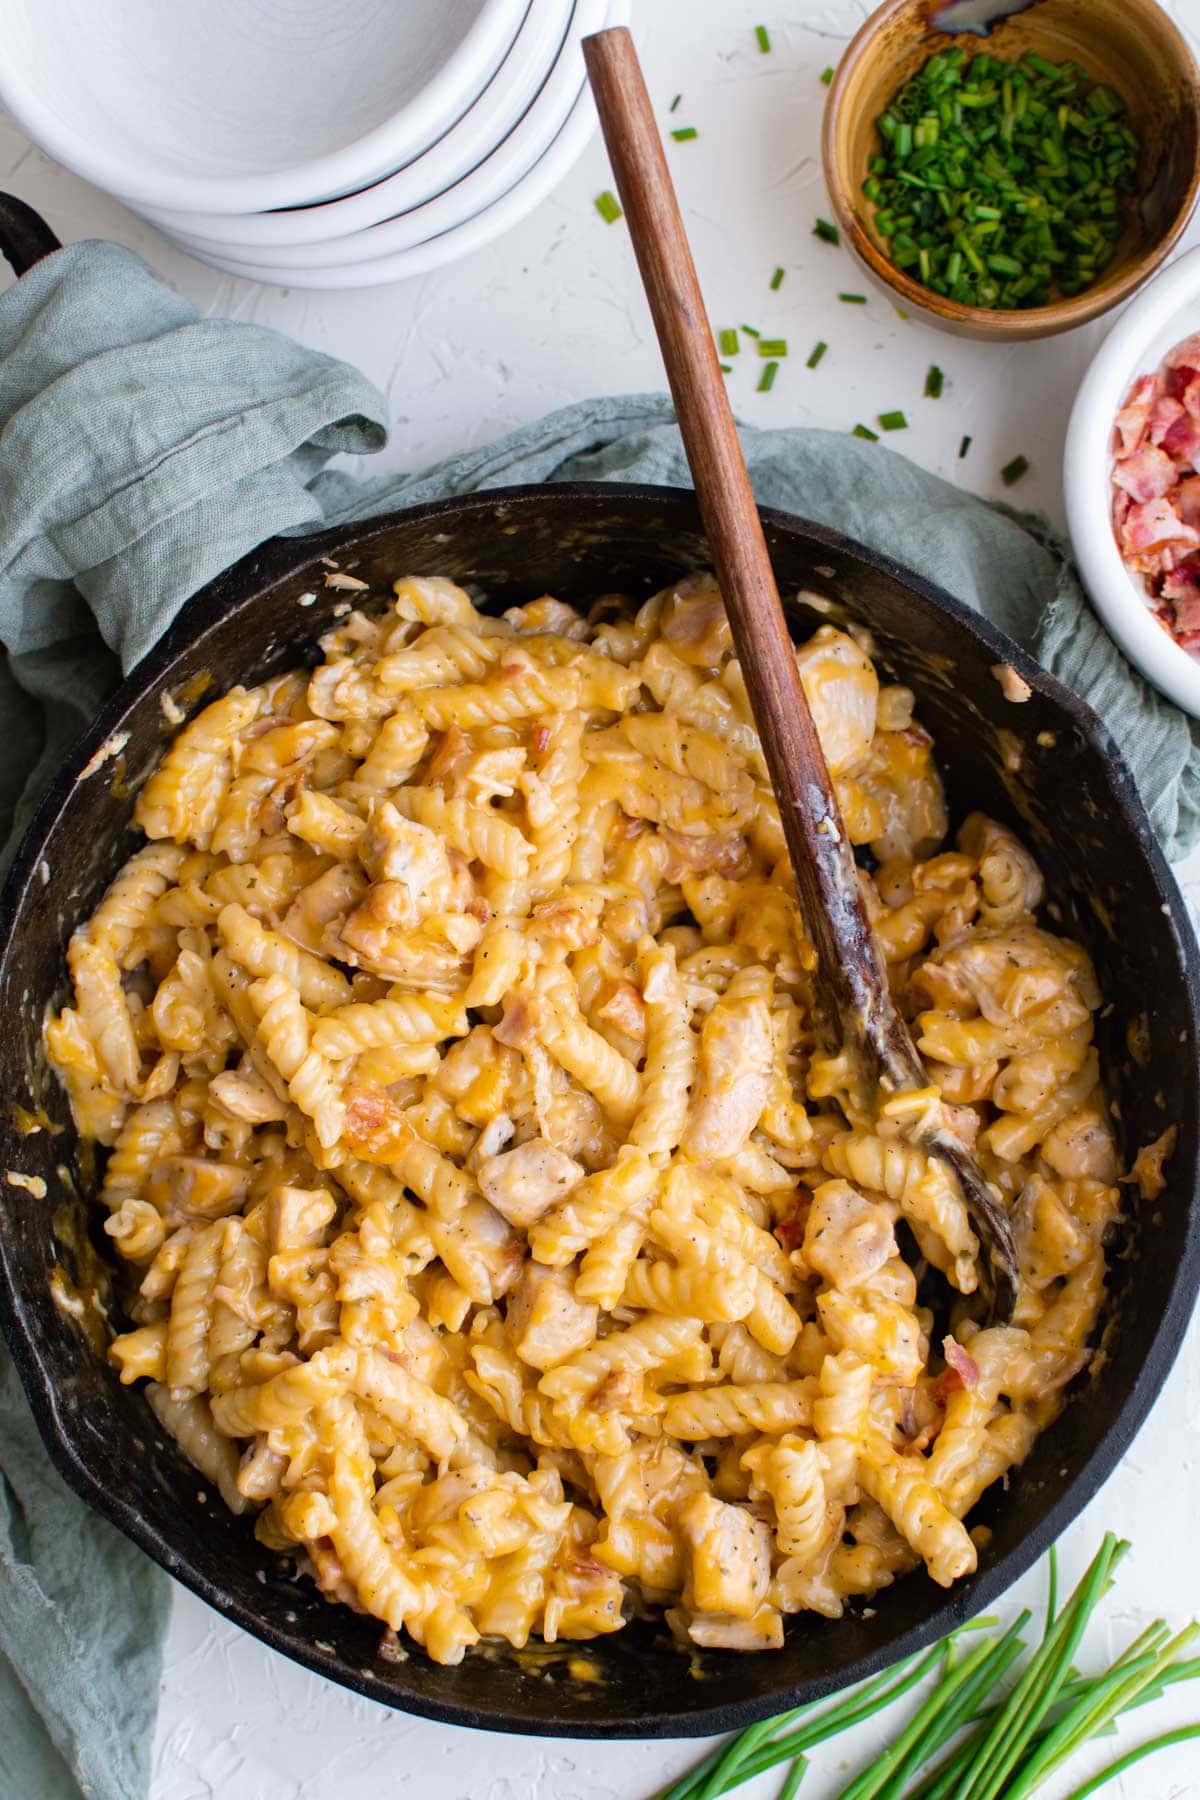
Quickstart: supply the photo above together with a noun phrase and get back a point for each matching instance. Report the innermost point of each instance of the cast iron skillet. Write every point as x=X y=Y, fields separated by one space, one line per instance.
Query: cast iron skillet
x=1073 y=801
x=1071 y=798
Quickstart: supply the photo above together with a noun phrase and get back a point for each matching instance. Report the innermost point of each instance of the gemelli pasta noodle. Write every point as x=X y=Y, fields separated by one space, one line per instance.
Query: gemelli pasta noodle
x=494 y=1230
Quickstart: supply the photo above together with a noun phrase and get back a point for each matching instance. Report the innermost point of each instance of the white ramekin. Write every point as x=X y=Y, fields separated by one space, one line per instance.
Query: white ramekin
x=1166 y=311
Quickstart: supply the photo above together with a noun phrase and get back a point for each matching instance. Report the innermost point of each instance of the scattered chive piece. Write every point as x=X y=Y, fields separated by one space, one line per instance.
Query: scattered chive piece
x=963 y=448
x=777 y=280
x=935 y=381
x=766 y=380
x=1013 y=471
x=608 y=206
x=818 y=352
x=827 y=75
x=725 y=368
x=864 y=431
x=853 y=299
x=685 y=134
x=893 y=421
x=675 y=102
x=764 y=38
x=828 y=233
x=772 y=346
x=750 y=331
x=727 y=341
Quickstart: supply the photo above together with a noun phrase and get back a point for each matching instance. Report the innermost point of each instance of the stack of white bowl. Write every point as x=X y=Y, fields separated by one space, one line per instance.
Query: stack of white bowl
x=310 y=143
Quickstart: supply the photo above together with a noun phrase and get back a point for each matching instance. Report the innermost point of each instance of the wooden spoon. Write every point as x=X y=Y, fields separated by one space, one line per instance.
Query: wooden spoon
x=856 y=1013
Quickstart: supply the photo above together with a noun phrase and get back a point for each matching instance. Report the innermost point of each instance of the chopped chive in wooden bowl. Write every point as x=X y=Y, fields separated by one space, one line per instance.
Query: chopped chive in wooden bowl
x=1002 y=183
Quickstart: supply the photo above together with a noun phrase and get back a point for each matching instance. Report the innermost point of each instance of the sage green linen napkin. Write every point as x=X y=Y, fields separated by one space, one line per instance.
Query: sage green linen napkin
x=142 y=450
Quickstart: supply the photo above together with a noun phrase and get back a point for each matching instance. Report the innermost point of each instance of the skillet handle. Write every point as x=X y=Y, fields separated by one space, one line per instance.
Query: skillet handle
x=25 y=236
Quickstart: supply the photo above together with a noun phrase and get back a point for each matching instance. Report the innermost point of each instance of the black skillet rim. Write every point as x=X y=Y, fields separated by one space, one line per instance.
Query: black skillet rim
x=286 y=558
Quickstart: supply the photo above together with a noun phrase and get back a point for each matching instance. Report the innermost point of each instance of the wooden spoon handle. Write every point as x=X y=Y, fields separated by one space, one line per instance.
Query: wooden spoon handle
x=856 y=1011
x=822 y=857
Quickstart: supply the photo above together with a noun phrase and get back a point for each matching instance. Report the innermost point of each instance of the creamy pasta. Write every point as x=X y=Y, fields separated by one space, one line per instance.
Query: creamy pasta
x=495 y=1231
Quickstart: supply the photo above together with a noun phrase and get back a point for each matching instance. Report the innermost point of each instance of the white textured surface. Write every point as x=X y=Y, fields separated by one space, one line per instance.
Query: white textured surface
x=550 y=314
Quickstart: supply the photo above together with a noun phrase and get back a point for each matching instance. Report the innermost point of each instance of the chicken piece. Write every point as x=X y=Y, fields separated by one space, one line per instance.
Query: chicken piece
x=694 y=622
x=842 y=689
x=325 y=902
x=737 y=1057
x=1050 y=1242
x=545 y=1321
x=847 y=1238
x=728 y=1555
x=243 y=1094
x=194 y=1188
x=297 y=1218
x=396 y=850
x=715 y=1631
x=1082 y=1146
x=524 y=1183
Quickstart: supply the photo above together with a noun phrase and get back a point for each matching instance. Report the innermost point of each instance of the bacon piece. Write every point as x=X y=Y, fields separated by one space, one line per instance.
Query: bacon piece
x=1132 y=420
x=1163 y=415
x=790 y=1230
x=1155 y=523
x=1178 y=379
x=519 y=1025
x=1188 y=500
x=1183 y=582
x=1182 y=440
x=961 y=1361
x=1186 y=354
x=1146 y=474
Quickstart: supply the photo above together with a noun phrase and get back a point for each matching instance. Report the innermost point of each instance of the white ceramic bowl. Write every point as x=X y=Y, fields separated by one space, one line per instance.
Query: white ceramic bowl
x=1166 y=311
x=509 y=162
x=472 y=137
x=242 y=105
x=521 y=200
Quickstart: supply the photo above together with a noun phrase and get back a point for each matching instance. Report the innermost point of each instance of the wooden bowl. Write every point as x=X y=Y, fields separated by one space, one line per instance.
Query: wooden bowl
x=1130 y=44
